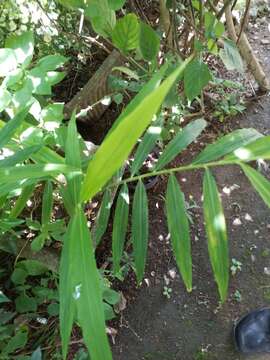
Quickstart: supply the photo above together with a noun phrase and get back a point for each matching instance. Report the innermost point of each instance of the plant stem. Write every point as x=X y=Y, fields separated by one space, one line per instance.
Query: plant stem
x=179 y=169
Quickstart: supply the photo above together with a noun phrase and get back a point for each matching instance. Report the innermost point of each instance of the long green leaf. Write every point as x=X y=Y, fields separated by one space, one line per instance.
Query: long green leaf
x=258 y=149
x=146 y=145
x=86 y=288
x=20 y=203
x=19 y=156
x=34 y=172
x=73 y=158
x=47 y=203
x=179 y=230
x=103 y=217
x=140 y=229
x=260 y=183
x=227 y=144
x=11 y=126
x=181 y=141
x=120 y=223
x=118 y=144
x=67 y=286
x=216 y=234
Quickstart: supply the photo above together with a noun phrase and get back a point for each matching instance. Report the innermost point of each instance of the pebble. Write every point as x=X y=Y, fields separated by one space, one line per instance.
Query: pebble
x=265 y=41
x=266 y=270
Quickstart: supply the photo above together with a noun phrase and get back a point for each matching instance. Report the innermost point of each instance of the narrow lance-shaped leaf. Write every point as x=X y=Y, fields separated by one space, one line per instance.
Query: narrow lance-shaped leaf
x=140 y=229
x=146 y=145
x=19 y=156
x=102 y=217
x=73 y=158
x=118 y=144
x=258 y=149
x=260 y=183
x=34 y=172
x=87 y=290
x=47 y=203
x=181 y=141
x=227 y=144
x=120 y=223
x=216 y=234
x=20 y=203
x=179 y=230
x=11 y=126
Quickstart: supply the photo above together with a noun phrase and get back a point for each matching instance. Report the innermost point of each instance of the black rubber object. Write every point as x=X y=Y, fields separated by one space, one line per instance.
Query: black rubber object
x=252 y=332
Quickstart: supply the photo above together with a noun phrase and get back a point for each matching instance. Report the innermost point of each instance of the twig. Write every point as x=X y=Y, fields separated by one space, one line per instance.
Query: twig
x=244 y=20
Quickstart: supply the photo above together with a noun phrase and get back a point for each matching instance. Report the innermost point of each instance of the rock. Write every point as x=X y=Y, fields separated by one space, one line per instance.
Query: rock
x=265 y=41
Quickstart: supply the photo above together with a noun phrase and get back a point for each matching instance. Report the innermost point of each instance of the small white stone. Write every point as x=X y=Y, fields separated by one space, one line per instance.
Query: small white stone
x=248 y=217
x=237 y=222
x=266 y=270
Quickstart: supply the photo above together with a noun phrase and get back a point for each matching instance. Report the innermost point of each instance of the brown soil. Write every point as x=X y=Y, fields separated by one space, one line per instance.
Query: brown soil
x=193 y=326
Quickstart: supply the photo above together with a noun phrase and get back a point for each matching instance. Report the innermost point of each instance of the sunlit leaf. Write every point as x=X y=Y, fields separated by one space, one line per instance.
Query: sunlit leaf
x=140 y=229
x=179 y=230
x=120 y=223
x=231 y=57
x=258 y=149
x=23 y=46
x=216 y=234
x=22 y=200
x=227 y=144
x=120 y=141
x=181 y=141
x=125 y=35
x=8 y=61
x=5 y=99
x=260 y=183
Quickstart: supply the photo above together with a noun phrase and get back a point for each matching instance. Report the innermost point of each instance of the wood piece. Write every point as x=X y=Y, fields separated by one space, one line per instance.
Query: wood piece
x=94 y=90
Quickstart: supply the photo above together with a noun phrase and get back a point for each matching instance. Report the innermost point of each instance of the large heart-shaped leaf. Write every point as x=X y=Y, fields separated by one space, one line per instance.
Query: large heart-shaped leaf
x=125 y=35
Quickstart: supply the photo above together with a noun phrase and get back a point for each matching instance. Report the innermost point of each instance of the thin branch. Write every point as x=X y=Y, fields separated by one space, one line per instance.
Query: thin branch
x=244 y=20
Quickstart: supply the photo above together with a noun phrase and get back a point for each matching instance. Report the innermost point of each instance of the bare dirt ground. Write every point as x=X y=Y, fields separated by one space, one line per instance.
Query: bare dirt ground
x=193 y=326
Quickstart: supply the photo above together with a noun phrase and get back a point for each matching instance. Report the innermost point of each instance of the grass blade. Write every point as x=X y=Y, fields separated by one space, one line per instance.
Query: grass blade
x=180 y=142
x=47 y=203
x=140 y=229
x=120 y=223
x=179 y=230
x=120 y=141
x=227 y=144
x=19 y=156
x=259 y=182
x=216 y=234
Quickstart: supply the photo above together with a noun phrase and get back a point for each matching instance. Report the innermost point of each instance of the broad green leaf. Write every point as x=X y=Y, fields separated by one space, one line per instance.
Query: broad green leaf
x=196 y=77
x=116 y=4
x=32 y=267
x=25 y=303
x=3 y=297
x=148 y=42
x=125 y=35
x=140 y=229
x=216 y=234
x=35 y=172
x=37 y=354
x=219 y=29
x=53 y=112
x=83 y=289
x=55 y=77
x=11 y=126
x=259 y=182
x=102 y=18
x=227 y=144
x=23 y=45
x=47 y=203
x=39 y=241
x=20 y=203
x=179 y=230
x=12 y=78
x=231 y=57
x=258 y=149
x=8 y=61
x=18 y=341
x=146 y=145
x=119 y=142
x=5 y=99
x=181 y=141
x=51 y=62
x=120 y=223
x=102 y=217
x=38 y=80
x=73 y=158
